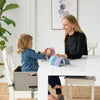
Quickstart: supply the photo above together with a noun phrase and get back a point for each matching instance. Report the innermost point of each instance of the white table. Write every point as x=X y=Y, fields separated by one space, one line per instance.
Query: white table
x=86 y=66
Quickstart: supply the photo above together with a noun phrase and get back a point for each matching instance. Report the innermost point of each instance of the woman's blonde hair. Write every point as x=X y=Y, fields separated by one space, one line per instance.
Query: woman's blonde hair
x=73 y=20
x=22 y=42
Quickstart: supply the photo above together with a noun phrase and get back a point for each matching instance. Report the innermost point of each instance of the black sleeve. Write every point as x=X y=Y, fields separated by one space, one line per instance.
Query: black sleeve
x=78 y=53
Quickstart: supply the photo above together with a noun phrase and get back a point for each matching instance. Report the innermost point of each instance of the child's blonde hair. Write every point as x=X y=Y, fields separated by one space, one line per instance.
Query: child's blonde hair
x=22 y=42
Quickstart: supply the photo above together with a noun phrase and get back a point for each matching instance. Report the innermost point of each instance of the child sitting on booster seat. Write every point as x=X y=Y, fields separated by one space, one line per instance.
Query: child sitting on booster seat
x=29 y=58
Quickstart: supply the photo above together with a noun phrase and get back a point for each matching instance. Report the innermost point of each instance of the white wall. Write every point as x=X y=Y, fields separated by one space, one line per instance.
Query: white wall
x=88 y=18
x=24 y=23
x=18 y=16
x=46 y=37
x=39 y=26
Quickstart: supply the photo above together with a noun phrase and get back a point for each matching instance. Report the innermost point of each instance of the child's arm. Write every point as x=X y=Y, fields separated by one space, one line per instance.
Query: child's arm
x=39 y=55
x=36 y=55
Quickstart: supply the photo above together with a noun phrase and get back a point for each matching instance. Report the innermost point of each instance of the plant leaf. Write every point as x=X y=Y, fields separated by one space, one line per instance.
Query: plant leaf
x=10 y=6
x=2 y=47
x=2 y=31
x=8 y=32
x=5 y=38
x=2 y=3
x=8 y=21
x=2 y=43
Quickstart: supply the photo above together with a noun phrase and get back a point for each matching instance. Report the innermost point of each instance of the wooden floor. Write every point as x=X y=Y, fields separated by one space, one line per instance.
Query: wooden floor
x=79 y=93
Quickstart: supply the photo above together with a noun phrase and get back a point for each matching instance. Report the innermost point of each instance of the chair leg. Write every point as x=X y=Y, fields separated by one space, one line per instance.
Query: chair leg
x=71 y=91
x=11 y=94
x=66 y=92
x=93 y=51
x=92 y=92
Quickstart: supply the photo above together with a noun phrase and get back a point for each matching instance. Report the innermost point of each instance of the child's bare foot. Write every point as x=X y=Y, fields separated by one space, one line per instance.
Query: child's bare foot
x=57 y=87
x=32 y=74
x=51 y=97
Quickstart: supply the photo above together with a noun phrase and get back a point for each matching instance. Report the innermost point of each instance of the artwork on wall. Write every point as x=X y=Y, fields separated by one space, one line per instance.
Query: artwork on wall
x=61 y=8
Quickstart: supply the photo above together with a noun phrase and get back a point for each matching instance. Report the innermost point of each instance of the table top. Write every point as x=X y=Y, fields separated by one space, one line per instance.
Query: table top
x=85 y=66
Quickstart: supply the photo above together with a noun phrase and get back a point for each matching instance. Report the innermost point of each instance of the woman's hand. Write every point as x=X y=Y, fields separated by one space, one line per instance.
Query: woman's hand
x=61 y=55
x=58 y=55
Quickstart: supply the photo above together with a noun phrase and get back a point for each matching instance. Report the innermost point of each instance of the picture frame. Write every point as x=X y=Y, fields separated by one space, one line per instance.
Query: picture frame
x=61 y=8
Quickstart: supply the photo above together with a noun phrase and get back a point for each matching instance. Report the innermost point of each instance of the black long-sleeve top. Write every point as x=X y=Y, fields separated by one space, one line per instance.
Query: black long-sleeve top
x=76 y=45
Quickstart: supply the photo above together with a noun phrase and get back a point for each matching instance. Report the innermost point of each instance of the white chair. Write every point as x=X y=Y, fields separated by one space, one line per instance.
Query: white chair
x=9 y=67
x=80 y=81
x=85 y=81
x=91 y=46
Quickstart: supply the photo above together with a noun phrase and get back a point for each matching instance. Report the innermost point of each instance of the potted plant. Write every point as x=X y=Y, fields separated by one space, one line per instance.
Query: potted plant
x=4 y=19
x=3 y=31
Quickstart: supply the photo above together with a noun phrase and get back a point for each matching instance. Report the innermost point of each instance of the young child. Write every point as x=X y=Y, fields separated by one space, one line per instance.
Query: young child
x=29 y=58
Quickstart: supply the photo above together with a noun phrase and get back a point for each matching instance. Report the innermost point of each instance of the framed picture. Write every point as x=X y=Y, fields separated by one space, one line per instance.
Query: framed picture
x=61 y=8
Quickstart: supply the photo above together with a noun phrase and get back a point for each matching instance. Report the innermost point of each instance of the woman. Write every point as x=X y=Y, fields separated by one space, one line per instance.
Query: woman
x=74 y=40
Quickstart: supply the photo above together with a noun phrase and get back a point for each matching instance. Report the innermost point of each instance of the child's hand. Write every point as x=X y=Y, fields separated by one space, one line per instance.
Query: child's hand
x=44 y=51
x=49 y=52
